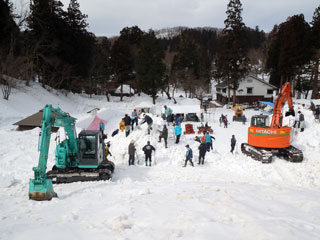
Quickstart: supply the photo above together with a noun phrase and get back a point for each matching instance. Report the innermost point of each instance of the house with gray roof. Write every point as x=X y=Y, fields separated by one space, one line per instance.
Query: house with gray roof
x=251 y=90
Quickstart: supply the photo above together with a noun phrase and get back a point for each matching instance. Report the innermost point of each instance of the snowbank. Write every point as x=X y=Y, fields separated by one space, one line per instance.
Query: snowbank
x=230 y=197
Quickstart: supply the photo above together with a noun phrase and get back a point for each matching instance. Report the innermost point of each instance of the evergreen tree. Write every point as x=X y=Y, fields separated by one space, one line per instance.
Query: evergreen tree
x=101 y=65
x=8 y=28
x=294 y=46
x=186 y=66
x=121 y=63
x=315 y=43
x=78 y=43
x=150 y=66
x=132 y=36
x=272 y=64
x=232 y=61
x=44 y=23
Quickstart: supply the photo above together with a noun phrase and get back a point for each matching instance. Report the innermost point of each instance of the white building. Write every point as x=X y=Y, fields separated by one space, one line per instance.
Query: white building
x=251 y=90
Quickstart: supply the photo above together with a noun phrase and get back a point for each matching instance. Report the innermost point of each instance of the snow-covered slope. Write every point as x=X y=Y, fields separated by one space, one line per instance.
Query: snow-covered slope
x=230 y=197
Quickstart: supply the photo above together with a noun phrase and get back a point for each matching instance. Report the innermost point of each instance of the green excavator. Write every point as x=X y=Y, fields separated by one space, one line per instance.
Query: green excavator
x=78 y=158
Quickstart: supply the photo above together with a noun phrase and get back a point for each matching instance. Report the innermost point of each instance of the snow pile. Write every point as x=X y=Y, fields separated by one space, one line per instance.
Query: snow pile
x=231 y=196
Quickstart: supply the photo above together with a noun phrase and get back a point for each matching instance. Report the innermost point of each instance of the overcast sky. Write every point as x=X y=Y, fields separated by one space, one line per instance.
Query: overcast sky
x=108 y=17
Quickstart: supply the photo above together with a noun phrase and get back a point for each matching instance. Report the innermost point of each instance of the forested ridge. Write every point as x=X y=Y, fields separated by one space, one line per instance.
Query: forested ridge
x=53 y=46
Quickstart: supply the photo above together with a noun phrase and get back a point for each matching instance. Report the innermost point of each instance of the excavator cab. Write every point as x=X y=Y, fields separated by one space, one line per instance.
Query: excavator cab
x=261 y=121
x=91 y=148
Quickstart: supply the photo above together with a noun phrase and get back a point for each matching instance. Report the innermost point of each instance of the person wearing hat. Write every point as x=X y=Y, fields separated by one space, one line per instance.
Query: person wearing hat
x=134 y=118
x=148 y=152
x=164 y=135
x=131 y=152
x=189 y=156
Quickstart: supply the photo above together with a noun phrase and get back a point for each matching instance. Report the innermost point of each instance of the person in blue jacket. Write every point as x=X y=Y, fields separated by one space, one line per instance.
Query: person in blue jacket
x=189 y=156
x=178 y=120
x=177 y=132
x=208 y=141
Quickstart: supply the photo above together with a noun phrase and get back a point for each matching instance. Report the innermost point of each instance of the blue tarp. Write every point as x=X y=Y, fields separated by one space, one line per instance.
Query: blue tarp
x=267 y=103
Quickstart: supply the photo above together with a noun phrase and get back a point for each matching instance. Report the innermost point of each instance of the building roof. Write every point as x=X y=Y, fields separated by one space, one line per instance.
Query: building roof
x=225 y=85
x=222 y=85
x=34 y=120
x=261 y=80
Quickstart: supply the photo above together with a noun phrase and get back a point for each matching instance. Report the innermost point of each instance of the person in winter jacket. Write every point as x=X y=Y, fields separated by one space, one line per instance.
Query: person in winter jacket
x=221 y=119
x=177 y=132
x=121 y=125
x=168 y=113
x=178 y=120
x=296 y=121
x=115 y=132
x=101 y=126
x=225 y=121
x=189 y=156
x=202 y=152
x=207 y=139
x=164 y=135
x=244 y=119
x=148 y=120
x=107 y=150
x=148 y=152
x=134 y=118
x=131 y=152
x=233 y=143
x=301 y=121
x=127 y=123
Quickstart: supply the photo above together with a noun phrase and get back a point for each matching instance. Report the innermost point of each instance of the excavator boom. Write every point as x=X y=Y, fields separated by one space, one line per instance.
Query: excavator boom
x=40 y=188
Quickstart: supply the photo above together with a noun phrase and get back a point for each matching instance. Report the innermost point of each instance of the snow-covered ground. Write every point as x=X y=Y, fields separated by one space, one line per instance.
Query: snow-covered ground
x=230 y=197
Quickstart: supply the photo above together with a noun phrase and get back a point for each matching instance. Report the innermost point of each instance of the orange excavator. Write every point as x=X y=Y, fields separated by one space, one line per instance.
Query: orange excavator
x=265 y=141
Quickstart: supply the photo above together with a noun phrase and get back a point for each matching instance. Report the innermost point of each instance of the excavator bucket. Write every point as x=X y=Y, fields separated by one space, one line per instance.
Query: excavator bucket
x=41 y=191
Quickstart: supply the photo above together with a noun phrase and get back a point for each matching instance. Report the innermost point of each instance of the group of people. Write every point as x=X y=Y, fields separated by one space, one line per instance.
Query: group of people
x=147 y=149
x=127 y=123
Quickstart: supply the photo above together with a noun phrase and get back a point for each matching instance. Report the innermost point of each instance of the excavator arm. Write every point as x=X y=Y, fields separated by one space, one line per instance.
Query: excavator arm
x=284 y=96
x=40 y=188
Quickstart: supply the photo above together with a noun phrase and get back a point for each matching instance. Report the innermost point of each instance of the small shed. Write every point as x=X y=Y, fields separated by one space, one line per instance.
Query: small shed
x=126 y=90
x=33 y=121
x=144 y=107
